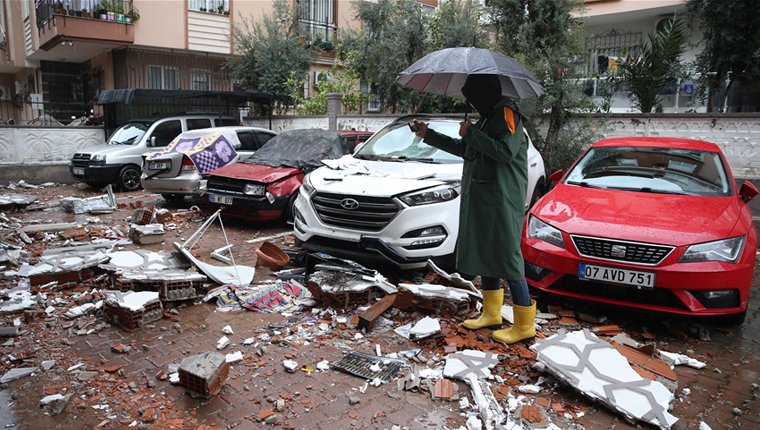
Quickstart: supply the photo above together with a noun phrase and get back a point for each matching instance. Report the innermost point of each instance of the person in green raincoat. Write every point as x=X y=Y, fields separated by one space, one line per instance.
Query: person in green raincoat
x=494 y=181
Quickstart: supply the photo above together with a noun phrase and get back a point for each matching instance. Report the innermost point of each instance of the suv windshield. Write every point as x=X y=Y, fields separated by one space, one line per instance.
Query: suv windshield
x=653 y=170
x=397 y=142
x=128 y=134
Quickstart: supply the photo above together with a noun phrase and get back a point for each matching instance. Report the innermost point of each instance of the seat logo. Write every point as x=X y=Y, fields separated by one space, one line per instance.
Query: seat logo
x=617 y=251
x=349 y=204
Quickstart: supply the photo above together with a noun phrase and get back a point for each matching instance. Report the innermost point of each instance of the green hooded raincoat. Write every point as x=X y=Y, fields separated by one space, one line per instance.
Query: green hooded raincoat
x=494 y=180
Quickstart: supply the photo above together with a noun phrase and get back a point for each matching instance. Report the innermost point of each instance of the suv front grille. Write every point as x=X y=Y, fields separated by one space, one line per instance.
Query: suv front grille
x=80 y=160
x=355 y=212
x=647 y=254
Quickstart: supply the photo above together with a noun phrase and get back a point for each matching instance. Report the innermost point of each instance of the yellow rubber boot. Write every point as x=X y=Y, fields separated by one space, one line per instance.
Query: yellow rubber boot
x=524 y=327
x=491 y=315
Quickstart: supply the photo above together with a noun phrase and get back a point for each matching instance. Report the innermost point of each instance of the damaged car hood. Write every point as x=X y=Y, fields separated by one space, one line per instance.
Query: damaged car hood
x=638 y=216
x=383 y=178
x=255 y=172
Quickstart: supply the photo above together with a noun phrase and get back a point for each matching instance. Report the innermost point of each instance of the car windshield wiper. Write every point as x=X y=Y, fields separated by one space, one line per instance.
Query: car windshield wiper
x=418 y=159
x=652 y=190
x=584 y=184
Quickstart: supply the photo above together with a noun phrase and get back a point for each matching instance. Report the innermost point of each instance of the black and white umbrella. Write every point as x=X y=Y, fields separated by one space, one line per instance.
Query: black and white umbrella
x=444 y=72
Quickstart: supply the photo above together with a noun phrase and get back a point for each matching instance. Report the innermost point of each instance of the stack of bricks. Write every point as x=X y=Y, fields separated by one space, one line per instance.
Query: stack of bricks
x=204 y=374
x=129 y=319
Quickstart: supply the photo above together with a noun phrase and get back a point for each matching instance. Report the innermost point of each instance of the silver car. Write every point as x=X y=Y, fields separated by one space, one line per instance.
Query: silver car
x=175 y=175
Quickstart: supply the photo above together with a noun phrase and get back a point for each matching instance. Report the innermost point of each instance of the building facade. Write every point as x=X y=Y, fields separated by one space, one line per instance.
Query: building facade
x=56 y=56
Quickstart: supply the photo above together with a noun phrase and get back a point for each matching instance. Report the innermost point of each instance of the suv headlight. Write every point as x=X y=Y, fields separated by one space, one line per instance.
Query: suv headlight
x=254 y=190
x=726 y=250
x=98 y=159
x=538 y=229
x=435 y=195
x=307 y=187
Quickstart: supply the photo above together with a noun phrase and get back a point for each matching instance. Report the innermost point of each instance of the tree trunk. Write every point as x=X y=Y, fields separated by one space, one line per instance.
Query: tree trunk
x=724 y=99
x=555 y=124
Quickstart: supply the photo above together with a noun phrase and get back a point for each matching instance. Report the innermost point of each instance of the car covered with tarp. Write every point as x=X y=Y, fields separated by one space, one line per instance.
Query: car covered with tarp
x=264 y=186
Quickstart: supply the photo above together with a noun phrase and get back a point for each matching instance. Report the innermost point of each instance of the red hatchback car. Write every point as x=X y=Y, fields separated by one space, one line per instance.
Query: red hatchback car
x=646 y=222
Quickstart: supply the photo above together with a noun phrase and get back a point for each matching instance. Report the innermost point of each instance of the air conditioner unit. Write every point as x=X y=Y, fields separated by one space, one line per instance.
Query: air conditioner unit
x=5 y=93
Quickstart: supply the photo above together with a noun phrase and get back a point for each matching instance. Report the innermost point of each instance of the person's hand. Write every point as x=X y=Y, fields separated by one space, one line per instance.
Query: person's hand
x=464 y=128
x=421 y=127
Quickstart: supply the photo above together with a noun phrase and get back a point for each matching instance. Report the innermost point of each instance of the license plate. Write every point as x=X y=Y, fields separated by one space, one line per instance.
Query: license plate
x=78 y=171
x=222 y=200
x=159 y=165
x=618 y=276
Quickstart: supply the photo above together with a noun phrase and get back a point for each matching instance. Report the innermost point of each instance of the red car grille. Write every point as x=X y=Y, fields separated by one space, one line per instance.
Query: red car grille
x=598 y=290
x=615 y=250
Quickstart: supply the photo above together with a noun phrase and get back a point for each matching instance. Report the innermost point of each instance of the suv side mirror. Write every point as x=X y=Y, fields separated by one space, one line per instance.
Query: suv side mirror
x=556 y=176
x=153 y=141
x=748 y=191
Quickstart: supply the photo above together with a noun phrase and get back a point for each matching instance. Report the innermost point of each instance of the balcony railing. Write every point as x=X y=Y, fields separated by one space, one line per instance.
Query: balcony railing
x=122 y=11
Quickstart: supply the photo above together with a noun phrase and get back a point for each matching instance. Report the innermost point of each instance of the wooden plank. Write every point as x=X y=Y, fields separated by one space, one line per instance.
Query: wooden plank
x=367 y=318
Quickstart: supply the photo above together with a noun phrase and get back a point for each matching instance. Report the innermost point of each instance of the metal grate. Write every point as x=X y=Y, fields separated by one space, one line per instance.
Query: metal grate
x=359 y=364
x=616 y=250
x=222 y=184
x=355 y=212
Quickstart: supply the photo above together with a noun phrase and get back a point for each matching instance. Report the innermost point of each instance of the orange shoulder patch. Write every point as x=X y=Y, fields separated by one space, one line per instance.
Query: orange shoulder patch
x=509 y=118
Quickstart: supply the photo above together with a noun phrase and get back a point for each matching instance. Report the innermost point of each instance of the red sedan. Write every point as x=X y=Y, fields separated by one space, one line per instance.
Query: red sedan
x=646 y=222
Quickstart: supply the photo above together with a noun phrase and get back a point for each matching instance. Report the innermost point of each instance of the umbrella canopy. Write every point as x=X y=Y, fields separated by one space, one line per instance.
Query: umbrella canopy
x=443 y=73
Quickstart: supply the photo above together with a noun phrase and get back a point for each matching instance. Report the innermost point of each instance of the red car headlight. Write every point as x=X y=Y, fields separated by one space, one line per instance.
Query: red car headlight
x=726 y=250
x=538 y=229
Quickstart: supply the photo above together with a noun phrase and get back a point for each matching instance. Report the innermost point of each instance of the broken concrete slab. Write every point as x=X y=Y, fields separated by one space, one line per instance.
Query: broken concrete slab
x=54 y=404
x=94 y=205
x=434 y=297
x=64 y=267
x=171 y=284
x=10 y=201
x=140 y=261
x=147 y=234
x=132 y=310
x=468 y=362
x=598 y=370
x=17 y=373
x=54 y=227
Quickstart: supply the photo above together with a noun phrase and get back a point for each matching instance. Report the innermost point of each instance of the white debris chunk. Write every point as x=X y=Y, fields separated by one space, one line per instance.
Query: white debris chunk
x=234 y=357
x=675 y=359
x=703 y=426
x=227 y=330
x=424 y=328
x=222 y=342
x=529 y=389
x=323 y=365
x=249 y=341
x=290 y=365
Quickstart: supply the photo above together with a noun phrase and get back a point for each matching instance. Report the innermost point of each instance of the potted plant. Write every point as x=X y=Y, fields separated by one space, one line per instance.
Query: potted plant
x=220 y=9
x=58 y=9
x=86 y=13
x=118 y=10
x=133 y=15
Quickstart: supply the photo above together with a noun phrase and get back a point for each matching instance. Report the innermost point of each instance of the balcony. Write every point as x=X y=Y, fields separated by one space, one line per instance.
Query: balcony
x=96 y=26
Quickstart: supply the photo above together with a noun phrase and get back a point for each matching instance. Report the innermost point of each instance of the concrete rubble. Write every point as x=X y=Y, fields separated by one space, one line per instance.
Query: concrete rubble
x=133 y=325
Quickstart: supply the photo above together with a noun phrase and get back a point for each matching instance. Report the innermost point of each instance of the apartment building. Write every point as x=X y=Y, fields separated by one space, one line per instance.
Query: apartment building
x=616 y=28
x=56 y=56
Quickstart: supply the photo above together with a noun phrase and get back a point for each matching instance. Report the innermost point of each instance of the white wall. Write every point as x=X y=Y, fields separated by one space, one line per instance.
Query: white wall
x=27 y=145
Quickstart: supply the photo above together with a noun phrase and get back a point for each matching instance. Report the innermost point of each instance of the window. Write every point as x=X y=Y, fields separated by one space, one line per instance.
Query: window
x=316 y=19
x=200 y=79
x=263 y=138
x=216 y=6
x=196 y=123
x=163 y=77
x=247 y=141
x=165 y=132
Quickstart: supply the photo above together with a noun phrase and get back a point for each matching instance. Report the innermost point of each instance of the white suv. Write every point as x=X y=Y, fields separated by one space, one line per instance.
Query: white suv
x=395 y=200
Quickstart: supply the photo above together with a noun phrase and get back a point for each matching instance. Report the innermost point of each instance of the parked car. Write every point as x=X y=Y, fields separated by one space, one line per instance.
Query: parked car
x=119 y=160
x=646 y=222
x=264 y=186
x=176 y=171
x=354 y=138
x=397 y=201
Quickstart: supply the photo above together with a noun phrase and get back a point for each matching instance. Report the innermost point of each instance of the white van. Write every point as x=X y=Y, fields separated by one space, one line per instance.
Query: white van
x=119 y=160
